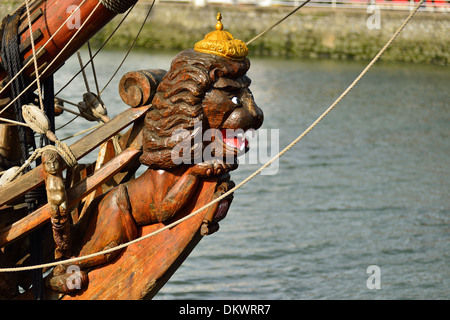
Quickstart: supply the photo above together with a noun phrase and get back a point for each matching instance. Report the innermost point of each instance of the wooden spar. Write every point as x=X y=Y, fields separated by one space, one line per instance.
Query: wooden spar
x=74 y=194
x=47 y=17
x=34 y=178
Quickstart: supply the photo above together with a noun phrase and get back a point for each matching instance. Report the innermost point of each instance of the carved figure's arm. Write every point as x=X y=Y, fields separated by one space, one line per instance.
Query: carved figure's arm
x=186 y=186
x=178 y=196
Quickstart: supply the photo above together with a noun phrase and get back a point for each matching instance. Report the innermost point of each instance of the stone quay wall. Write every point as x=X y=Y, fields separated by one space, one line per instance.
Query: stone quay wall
x=311 y=32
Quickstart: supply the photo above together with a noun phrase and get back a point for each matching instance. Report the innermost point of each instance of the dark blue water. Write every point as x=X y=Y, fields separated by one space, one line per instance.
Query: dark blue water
x=368 y=186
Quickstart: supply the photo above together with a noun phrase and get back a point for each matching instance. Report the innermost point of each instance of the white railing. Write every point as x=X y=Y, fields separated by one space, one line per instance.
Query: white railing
x=428 y=5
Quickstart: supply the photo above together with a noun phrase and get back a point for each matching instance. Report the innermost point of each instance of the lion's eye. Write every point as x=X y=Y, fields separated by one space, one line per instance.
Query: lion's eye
x=236 y=100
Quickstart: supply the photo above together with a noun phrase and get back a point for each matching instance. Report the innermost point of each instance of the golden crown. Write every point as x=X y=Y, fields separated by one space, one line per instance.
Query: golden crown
x=222 y=43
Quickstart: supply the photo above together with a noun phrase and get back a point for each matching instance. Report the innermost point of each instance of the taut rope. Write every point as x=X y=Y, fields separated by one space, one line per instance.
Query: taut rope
x=38 y=82
x=97 y=52
x=278 y=22
x=253 y=175
x=129 y=49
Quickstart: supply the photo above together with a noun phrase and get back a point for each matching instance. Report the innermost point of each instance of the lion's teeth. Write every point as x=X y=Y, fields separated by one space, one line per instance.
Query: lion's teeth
x=229 y=144
x=237 y=140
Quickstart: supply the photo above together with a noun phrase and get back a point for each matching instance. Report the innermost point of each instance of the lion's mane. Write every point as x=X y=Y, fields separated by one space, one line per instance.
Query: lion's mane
x=177 y=104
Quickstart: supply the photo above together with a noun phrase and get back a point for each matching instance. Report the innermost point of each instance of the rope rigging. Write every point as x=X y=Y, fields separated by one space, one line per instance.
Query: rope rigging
x=129 y=49
x=56 y=57
x=253 y=175
x=6 y=86
x=11 y=61
x=38 y=82
x=97 y=52
x=90 y=111
x=21 y=100
x=91 y=108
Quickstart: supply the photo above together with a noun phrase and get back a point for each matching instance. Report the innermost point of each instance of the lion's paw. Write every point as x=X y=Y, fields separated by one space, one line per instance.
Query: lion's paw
x=211 y=168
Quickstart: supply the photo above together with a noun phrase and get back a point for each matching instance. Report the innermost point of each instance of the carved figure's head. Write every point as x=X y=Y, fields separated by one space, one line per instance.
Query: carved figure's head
x=202 y=91
x=51 y=161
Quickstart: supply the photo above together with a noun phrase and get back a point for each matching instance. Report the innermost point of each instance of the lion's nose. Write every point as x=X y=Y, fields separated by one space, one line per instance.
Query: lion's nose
x=257 y=114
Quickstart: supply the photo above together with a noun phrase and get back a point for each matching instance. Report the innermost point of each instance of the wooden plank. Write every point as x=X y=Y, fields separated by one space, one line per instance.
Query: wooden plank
x=105 y=154
x=25 y=45
x=74 y=194
x=33 y=17
x=39 y=54
x=34 y=178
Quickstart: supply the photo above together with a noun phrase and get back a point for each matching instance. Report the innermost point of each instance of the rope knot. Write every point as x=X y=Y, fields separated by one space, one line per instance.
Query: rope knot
x=38 y=122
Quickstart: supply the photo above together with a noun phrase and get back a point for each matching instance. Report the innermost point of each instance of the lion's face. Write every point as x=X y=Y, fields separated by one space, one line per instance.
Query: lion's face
x=206 y=89
x=229 y=107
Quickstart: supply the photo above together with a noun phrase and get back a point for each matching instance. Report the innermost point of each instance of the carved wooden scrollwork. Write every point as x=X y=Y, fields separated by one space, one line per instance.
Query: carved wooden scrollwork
x=137 y=88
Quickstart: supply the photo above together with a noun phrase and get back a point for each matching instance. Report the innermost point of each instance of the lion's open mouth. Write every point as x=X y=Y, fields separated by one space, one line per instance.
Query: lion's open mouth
x=235 y=140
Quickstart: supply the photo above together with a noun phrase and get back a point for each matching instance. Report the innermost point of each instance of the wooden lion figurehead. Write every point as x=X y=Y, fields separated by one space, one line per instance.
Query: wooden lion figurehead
x=207 y=86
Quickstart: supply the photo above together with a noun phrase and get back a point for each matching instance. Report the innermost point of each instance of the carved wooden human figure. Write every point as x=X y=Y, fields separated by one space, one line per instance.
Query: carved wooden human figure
x=57 y=200
x=204 y=89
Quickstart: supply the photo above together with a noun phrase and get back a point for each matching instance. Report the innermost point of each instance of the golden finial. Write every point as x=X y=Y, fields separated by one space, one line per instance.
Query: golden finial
x=219 y=25
x=222 y=43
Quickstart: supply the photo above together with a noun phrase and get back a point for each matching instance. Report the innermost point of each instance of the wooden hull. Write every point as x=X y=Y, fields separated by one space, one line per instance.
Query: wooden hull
x=144 y=267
